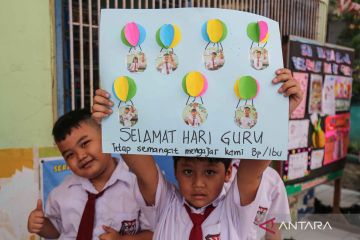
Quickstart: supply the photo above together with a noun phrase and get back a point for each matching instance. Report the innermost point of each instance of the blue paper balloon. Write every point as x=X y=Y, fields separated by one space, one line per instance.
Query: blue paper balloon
x=204 y=32
x=142 y=34
x=167 y=34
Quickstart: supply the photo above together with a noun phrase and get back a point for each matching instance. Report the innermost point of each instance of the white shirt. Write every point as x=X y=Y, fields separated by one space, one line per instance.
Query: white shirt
x=194 y=121
x=258 y=62
x=246 y=122
x=229 y=220
x=213 y=64
x=126 y=117
x=273 y=202
x=116 y=208
x=166 y=67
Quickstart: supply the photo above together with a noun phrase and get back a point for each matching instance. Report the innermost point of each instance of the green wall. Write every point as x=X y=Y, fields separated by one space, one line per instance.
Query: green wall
x=25 y=74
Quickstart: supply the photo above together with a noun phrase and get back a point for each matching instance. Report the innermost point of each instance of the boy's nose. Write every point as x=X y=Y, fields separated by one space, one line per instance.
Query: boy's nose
x=81 y=154
x=198 y=181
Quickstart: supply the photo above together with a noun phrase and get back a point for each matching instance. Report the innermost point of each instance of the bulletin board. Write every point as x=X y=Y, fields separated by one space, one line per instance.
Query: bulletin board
x=319 y=127
x=192 y=82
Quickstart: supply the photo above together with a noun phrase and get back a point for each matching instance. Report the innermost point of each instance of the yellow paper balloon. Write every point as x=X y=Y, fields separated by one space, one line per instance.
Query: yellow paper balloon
x=265 y=39
x=214 y=30
x=121 y=88
x=177 y=36
x=194 y=83
x=236 y=89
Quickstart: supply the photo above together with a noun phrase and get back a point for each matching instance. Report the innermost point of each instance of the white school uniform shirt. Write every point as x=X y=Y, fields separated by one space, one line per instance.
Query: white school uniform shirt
x=127 y=118
x=194 y=121
x=273 y=202
x=228 y=221
x=166 y=67
x=246 y=122
x=116 y=208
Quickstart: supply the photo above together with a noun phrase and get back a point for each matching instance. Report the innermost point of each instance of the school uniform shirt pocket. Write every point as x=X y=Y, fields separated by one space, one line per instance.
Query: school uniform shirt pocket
x=124 y=223
x=211 y=232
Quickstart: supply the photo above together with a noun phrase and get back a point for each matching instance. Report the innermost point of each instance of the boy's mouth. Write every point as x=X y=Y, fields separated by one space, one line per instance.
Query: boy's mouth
x=199 y=196
x=85 y=164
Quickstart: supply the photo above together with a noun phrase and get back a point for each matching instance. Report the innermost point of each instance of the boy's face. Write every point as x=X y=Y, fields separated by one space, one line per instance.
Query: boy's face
x=82 y=152
x=201 y=182
x=247 y=112
x=193 y=113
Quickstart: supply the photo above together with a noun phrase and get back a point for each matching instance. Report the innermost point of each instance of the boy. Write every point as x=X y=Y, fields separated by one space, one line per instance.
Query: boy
x=166 y=66
x=194 y=119
x=97 y=201
x=199 y=209
x=273 y=205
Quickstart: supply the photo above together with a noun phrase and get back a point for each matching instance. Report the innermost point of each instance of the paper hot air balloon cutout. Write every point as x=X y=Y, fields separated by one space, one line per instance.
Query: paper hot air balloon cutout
x=214 y=31
x=258 y=33
x=124 y=89
x=194 y=85
x=133 y=35
x=168 y=36
x=246 y=88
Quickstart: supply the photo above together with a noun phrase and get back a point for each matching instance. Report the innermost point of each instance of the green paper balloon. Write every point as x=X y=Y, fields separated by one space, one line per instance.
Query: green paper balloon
x=184 y=84
x=225 y=32
x=158 y=39
x=123 y=39
x=247 y=87
x=132 y=89
x=253 y=31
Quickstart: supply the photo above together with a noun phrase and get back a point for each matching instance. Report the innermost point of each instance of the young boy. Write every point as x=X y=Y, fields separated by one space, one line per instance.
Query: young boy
x=97 y=201
x=199 y=209
x=273 y=205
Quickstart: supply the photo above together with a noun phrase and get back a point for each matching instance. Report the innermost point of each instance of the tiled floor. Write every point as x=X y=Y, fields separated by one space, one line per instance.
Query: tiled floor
x=325 y=194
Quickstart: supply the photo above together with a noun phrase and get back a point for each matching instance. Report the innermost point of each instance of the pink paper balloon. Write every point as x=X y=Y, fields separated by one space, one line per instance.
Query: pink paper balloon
x=132 y=33
x=205 y=86
x=263 y=29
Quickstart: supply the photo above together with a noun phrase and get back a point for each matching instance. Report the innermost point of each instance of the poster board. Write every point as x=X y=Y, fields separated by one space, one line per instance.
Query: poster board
x=157 y=119
x=325 y=74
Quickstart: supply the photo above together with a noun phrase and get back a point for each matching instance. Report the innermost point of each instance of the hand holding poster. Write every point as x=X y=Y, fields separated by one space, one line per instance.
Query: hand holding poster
x=193 y=86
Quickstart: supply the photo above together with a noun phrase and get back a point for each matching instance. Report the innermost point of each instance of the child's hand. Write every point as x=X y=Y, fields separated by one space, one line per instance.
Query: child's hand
x=290 y=88
x=110 y=234
x=36 y=218
x=102 y=105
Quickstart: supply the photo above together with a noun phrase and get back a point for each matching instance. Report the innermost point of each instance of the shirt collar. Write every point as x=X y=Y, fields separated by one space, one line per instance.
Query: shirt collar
x=214 y=203
x=121 y=173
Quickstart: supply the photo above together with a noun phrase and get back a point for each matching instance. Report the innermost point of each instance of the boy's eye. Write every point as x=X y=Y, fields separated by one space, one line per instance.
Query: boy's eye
x=68 y=156
x=85 y=143
x=187 y=172
x=209 y=172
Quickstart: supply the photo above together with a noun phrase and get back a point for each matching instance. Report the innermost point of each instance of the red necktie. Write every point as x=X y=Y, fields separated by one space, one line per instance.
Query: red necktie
x=213 y=64
x=86 y=226
x=167 y=69
x=197 y=220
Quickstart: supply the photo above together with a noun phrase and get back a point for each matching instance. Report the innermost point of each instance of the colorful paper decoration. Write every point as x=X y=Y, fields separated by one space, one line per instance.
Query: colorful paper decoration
x=214 y=31
x=124 y=89
x=258 y=32
x=246 y=88
x=133 y=35
x=194 y=84
x=168 y=36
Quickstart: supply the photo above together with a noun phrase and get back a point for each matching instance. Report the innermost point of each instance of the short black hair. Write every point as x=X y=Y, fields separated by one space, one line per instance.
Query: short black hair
x=66 y=123
x=193 y=110
x=225 y=161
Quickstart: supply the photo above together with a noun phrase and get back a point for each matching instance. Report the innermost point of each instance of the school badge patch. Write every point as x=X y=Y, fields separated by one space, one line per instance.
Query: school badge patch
x=213 y=237
x=128 y=227
x=260 y=215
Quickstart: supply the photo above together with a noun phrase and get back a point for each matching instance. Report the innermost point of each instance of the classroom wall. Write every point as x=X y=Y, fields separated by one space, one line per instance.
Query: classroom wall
x=26 y=109
x=25 y=74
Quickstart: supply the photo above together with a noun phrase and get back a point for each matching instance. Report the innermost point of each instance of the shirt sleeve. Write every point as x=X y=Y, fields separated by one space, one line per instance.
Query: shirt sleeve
x=52 y=211
x=165 y=192
x=279 y=207
x=242 y=216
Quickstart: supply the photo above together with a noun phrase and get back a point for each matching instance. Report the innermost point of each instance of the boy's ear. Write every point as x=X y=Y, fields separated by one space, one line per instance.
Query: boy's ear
x=228 y=173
